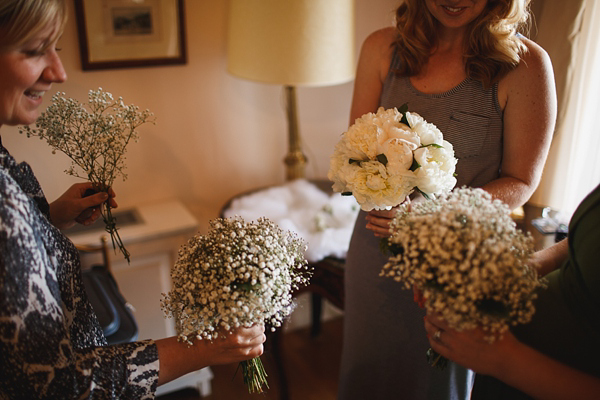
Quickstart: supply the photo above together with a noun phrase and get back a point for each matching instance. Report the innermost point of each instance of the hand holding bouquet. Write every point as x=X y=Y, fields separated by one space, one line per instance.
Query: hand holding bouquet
x=95 y=139
x=462 y=251
x=239 y=274
x=384 y=157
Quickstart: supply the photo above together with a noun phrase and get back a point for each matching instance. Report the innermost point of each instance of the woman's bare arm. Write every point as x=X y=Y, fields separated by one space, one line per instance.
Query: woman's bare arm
x=528 y=95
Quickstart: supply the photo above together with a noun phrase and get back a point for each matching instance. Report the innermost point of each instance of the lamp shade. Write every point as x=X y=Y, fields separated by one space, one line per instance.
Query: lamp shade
x=292 y=42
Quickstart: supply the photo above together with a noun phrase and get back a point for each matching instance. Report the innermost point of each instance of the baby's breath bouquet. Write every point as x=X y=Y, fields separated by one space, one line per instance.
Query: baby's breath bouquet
x=95 y=139
x=239 y=274
x=465 y=254
x=385 y=156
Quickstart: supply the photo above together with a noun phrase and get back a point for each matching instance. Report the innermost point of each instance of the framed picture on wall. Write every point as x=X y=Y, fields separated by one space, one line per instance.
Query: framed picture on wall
x=130 y=33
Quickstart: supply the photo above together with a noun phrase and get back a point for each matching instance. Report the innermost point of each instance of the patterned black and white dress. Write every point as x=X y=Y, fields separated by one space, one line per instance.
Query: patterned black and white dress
x=51 y=345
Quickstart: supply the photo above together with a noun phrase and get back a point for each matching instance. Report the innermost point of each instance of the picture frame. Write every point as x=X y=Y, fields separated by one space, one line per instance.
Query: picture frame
x=130 y=33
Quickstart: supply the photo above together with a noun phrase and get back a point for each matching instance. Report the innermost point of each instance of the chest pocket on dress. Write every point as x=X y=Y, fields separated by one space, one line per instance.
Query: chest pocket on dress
x=467 y=133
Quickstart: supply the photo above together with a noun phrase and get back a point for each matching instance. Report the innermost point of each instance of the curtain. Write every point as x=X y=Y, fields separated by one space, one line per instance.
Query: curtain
x=570 y=33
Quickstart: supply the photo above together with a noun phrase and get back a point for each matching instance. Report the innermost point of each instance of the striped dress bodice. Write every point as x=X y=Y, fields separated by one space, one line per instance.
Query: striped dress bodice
x=468 y=115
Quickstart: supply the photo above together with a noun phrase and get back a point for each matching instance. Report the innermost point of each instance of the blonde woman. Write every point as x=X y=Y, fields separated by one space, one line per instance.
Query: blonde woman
x=462 y=66
x=51 y=344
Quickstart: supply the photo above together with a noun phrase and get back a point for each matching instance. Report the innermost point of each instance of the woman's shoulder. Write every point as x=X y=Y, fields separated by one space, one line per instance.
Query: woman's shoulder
x=381 y=40
x=385 y=35
x=534 y=61
x=535 y=53
x=377 y=51
x=7 y=183
x=11 y=196
x=534 y=73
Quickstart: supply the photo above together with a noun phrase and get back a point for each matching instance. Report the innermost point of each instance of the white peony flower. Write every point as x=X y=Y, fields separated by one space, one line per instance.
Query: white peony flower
x=398 y=153
x=427 y=132
x=436 y=172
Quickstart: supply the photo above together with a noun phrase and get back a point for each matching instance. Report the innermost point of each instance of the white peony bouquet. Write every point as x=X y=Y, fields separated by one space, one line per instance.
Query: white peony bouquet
x=239 y=274
x=384 y=157
x=463 y=252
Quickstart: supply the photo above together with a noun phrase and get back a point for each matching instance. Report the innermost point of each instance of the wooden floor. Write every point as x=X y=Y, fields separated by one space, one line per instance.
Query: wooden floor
x=311 y=364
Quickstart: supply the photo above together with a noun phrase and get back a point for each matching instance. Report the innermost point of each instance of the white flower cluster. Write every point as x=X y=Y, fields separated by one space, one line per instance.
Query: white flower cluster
x=464 y=252
x=239 y=274
x=383 y=157
x=93 y=137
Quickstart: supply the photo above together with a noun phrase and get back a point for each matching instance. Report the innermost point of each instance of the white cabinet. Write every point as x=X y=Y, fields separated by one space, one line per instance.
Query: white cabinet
x=142 y=283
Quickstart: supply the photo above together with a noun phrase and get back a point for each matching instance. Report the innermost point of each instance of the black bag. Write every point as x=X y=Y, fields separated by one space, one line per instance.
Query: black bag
x=113 y=312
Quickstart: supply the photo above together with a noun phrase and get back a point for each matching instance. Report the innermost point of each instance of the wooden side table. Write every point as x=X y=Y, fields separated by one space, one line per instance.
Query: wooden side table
x=327 y=282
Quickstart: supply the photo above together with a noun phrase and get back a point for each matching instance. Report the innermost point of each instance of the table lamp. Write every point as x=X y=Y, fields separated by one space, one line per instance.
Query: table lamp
x=292 y=43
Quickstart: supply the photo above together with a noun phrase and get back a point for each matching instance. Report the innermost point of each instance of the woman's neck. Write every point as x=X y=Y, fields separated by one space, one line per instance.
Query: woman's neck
x=445 y=67
x=450 y=41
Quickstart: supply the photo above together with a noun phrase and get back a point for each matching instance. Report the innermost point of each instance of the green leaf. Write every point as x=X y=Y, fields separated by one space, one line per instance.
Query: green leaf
x=434 y=285
x=493 y=308
x=390 y=248
x=382 y=158
x=462 y=219
x=245 y=286
x=403 y=109
x=422 y=193
x=414 y=165
x=434 y=145
x=384 y=246
x=436 y=360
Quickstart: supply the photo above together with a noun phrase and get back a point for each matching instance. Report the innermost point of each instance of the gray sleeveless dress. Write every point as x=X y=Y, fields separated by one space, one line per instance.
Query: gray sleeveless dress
x=384 y=336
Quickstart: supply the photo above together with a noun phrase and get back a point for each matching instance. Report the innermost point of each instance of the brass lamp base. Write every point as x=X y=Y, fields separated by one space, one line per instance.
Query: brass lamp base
x=295 y=164
x=295 y=160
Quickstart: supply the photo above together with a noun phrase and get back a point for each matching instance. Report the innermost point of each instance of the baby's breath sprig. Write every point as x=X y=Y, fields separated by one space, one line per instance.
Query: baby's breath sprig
x=465 y=254
x=239 y=274
x=95 y=138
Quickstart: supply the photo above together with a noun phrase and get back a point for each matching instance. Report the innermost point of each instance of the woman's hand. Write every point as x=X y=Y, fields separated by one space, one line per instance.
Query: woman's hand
x=237 y=345
x=74 y=206
x=378 y=221
x=468 y=348
x=512 y=362
x=177 y=358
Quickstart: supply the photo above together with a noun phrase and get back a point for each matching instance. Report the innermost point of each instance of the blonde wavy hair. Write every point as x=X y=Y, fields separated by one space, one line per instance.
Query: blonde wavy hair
x=492 y=45
x=20 y=20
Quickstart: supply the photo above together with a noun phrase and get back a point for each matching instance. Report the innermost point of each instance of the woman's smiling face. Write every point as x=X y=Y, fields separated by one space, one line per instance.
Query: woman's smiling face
x=27 y=71
x=454 y=14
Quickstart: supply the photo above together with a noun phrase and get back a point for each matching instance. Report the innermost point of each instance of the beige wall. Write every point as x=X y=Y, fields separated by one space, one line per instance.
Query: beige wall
x=215 y=135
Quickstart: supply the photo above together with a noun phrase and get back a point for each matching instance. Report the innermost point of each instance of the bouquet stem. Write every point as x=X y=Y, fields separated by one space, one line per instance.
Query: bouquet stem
x=436 y=360
x=110 y=223
x=255 y=375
